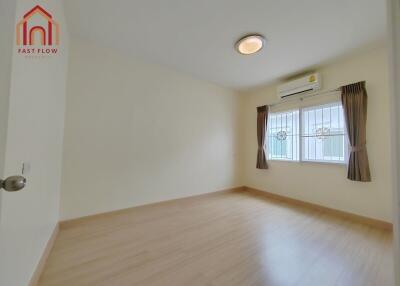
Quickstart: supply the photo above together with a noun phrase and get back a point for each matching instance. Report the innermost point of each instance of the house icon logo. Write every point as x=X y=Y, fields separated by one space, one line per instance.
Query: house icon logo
x=37 y=33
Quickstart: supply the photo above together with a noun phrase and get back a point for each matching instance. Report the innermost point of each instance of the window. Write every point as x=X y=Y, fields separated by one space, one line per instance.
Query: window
x=315 y=134
x=283 y=136
x=323 y=134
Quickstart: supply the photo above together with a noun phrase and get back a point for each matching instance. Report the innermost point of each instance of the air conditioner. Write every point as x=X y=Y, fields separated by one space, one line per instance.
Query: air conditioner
x=303 y=84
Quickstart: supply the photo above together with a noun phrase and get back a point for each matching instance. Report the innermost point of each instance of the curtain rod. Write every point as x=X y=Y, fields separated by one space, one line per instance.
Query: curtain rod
x=306 y=96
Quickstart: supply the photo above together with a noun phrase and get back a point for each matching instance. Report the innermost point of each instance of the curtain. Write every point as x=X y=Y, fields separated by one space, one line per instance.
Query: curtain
x=354 y=101
x=262 y=119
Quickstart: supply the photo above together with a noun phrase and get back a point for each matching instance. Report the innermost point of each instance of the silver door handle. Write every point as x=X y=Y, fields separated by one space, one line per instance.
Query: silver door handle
x=13 y=183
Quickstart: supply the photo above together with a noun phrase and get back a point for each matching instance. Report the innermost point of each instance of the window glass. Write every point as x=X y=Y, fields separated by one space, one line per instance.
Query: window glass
x=283 y=136
x=323 y=133
x=314 y=134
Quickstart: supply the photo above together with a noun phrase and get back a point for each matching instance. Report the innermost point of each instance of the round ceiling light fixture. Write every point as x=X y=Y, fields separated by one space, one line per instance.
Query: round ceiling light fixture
x=250 y=44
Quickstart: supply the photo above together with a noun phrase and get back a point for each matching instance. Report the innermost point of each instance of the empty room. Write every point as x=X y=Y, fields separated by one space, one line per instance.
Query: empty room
x=204 y=143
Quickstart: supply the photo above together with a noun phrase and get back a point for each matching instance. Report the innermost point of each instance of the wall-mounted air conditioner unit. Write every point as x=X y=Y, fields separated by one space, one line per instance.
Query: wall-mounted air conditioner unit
x=303 y=84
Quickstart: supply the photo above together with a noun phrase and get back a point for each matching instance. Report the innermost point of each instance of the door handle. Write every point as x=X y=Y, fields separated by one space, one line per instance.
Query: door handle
x=13 y=183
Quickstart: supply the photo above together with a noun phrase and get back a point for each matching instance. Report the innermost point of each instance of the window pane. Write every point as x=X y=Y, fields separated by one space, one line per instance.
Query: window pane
x=283 y=136
x=323 y=133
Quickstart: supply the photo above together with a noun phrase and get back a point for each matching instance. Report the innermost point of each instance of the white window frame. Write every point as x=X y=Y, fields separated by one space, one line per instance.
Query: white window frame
x=300 y=139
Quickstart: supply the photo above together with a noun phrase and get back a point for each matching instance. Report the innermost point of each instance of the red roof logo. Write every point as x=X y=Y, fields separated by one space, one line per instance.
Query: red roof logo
x=41 y=30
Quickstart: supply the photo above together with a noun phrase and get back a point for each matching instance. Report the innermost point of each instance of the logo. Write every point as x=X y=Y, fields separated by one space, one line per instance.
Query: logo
x=38 y=34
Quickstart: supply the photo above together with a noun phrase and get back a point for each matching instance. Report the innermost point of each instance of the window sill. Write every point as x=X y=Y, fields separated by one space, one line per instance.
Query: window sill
x=341 y=164
x=324 y=163
x=282 y=160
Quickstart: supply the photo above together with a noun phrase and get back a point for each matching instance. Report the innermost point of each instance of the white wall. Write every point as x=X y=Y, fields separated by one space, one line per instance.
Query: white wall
x=393 y=9
x=138 y=133
x=7 y=19
x=327 y=184
x=35 y=134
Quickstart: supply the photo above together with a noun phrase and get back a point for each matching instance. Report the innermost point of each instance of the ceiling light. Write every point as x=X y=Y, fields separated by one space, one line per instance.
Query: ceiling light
x=250 y=44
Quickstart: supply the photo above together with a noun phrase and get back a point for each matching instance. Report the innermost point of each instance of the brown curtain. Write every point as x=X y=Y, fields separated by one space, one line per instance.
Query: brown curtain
x=262 y=119
x=354 y=100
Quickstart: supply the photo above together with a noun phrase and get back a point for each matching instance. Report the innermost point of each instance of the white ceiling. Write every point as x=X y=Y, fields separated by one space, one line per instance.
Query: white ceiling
x=198 y=36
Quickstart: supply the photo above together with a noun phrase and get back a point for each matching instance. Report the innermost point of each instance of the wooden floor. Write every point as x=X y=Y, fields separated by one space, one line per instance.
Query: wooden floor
x=222 y=239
